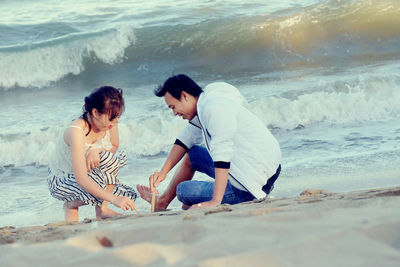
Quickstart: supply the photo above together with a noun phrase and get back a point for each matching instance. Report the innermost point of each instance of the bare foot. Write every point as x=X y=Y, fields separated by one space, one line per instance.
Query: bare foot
x=104 y=213
x=146 y=194
x=71 y=210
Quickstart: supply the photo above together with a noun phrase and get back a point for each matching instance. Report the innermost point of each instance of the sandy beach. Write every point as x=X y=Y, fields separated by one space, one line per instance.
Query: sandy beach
x=317 y=228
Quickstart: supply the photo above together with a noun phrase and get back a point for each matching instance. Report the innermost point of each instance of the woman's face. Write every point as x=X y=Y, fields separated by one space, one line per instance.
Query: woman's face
x=102 y=121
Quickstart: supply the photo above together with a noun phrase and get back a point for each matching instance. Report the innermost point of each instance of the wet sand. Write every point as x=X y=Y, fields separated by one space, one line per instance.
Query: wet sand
x=317 y=228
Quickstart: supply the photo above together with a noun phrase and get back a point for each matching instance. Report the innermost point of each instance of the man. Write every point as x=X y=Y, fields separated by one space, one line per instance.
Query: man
x=240 y=152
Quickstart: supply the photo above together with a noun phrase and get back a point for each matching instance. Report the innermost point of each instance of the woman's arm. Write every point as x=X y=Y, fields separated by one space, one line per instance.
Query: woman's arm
x=75 y=139
x=93 y=156
x=114 y=138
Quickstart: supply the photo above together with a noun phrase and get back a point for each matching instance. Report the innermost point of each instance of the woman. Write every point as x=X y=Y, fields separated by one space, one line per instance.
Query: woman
x=84 y=169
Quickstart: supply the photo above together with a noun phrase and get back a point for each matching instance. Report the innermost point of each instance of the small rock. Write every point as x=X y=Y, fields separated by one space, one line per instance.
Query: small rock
x=104 y=241
x=312 y=192
x=87 y=220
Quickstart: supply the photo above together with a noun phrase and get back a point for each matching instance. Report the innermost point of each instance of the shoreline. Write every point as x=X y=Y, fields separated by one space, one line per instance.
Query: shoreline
x=359 y=228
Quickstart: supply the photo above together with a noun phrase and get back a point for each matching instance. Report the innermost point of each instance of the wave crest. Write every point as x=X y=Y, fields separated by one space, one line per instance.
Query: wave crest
x=374 y=98
x=367 y=100
x=333 y=33
x=42 y=65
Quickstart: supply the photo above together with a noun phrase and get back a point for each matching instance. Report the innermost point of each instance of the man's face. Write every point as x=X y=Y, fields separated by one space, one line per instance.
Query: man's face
x=186 y=107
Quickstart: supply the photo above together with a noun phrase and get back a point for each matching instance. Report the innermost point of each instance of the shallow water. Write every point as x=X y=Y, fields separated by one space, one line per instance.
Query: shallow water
x=322 y=75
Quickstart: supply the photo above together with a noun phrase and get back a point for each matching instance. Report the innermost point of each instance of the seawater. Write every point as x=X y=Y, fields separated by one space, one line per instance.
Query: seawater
x=324 y=76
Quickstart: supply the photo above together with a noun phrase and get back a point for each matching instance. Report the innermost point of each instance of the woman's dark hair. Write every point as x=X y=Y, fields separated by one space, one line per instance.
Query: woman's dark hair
x=178 y=83
x=107 y=100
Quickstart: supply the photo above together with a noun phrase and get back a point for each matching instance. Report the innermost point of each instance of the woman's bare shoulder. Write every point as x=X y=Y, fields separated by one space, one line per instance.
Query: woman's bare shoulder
x=79 y=122
x=78 y=125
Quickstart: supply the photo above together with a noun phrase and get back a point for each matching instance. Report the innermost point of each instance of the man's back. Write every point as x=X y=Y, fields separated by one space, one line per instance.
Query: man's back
x=234 y=134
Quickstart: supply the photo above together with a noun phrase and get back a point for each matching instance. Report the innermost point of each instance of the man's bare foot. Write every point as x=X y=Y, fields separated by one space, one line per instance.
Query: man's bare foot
x=104 y=213
x=146 y=194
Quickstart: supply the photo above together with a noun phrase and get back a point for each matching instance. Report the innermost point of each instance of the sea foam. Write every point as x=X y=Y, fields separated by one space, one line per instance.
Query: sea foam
x=330 y=33
x=151 y=132
x=51 y=62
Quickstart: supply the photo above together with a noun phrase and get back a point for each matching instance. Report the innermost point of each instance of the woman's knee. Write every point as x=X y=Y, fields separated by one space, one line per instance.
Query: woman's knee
x=106 y=156
x=108 y=159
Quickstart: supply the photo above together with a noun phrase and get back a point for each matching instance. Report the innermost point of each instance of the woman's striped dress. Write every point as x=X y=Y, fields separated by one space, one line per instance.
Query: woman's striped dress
x=61 y=178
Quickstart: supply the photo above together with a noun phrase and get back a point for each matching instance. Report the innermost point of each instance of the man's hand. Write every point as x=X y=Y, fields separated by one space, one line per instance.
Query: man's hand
x=207 y=204
x=155 y=179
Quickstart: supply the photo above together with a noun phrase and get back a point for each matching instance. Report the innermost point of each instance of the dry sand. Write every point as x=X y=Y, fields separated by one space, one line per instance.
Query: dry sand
x=317 y=228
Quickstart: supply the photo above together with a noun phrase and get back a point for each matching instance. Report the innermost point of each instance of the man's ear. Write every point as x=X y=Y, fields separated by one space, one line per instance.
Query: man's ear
x=184 y=95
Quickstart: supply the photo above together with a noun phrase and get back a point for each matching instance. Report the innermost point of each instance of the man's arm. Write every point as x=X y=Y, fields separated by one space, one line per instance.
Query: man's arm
x=190 y=136
x=221 y=180
x=220 y=122
x=175 y=155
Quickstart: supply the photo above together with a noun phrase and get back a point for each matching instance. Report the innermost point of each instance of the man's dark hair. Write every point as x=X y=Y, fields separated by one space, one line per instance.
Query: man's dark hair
x=178 y=83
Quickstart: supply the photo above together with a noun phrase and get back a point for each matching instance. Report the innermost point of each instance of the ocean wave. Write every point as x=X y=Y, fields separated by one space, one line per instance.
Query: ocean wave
x=349 y=102
x=53 y=60
x=342 y=102
x=332 y=33
x=140 y=137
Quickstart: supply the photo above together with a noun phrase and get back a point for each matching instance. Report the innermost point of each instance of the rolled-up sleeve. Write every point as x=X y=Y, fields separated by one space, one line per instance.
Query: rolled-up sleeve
x=221 y=124
x=191 y=135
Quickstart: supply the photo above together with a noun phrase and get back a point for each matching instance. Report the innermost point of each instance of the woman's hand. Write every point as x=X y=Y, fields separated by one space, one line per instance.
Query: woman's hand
x=93 y=159
x=124 y=203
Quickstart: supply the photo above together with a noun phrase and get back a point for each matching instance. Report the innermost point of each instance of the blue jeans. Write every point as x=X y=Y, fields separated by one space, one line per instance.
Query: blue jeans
x=193 y=192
